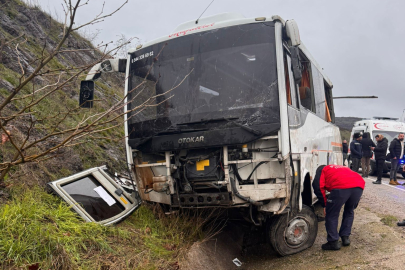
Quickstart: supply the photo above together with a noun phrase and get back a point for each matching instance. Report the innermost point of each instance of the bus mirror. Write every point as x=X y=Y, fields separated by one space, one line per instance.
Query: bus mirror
x=295 y=64
x=114 y=65
x=291 y=28
x=106 y=66
x=109 y=65
x=86 y=94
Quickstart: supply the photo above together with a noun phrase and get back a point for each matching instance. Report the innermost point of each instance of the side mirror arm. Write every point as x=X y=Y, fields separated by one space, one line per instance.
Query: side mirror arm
x=87 y=86
x=109 y=65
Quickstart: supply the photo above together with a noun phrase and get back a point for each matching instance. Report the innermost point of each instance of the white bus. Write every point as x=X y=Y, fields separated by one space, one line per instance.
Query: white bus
x=389 y=128
x=232 y=113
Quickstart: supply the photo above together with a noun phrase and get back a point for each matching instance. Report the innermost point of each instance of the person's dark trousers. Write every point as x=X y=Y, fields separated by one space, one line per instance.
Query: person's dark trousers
x=355 y=164
x=380 y=166
x=394 y=169
x=365 y=166
x=337 y=198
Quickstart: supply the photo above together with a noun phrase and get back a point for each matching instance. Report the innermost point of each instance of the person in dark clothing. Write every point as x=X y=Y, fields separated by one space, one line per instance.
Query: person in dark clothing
x=346 y=188
x=396 y=154
x=366 y=144
x=356 y=151
x=345 y=150
x=380 y=155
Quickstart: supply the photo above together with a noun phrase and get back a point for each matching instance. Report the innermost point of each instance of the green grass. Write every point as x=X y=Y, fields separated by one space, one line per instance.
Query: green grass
x=389 y=220
x=38 y=228
x=345 y=134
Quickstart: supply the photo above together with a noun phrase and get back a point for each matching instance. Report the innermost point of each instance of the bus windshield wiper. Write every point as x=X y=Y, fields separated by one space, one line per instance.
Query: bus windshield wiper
x=204 y=121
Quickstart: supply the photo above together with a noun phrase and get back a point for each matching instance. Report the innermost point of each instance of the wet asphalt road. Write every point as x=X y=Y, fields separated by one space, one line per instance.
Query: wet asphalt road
x=375 y=244
x=385 y=199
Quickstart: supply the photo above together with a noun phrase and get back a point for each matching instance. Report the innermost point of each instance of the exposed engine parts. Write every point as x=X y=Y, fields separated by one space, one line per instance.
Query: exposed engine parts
x=198 y=175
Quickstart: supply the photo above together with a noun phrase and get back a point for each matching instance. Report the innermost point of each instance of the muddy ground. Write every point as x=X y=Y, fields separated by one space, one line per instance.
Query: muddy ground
x=377 y=242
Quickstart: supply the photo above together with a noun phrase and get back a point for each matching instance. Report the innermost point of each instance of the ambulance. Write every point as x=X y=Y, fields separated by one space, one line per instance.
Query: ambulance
x=389 y=128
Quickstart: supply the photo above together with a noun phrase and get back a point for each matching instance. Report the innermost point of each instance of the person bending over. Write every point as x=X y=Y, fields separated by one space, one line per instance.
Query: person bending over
x=345 y=187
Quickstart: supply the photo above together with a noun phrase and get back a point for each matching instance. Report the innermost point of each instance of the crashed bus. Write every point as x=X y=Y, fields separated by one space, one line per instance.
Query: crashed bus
x=228 y=112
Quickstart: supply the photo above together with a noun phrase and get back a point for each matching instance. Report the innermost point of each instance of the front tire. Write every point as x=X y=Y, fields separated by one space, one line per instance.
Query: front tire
x=295 y=235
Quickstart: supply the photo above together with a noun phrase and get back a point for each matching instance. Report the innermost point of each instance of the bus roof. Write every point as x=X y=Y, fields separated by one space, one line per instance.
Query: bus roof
x=225 y=20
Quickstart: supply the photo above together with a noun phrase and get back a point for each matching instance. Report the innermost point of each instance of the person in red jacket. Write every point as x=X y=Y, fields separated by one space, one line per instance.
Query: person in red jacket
x=346 y=188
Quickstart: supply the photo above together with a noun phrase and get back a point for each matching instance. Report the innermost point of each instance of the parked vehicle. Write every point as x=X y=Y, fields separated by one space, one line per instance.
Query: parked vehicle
x=389 y=128
x=233 y=113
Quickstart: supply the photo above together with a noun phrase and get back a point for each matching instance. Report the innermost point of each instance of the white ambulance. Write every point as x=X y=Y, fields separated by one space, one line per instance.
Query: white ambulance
x=389 y=128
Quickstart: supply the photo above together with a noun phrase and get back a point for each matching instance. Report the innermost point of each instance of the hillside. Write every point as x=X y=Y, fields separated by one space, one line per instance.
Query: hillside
x=38 y=230
x=38 y=32
x=346 y=124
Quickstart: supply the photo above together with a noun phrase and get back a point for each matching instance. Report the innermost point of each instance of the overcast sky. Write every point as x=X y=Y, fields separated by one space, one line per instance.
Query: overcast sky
x=360 y=44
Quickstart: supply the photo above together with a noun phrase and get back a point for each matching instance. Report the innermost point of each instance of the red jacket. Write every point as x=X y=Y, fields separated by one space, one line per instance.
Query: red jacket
x=332 y=177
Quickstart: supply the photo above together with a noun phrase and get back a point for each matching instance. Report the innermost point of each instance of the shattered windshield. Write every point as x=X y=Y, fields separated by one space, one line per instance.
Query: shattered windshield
x=228 y=72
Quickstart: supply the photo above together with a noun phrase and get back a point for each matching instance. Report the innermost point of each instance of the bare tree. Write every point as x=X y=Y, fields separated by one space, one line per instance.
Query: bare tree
x=32 y=130
x=40 y=80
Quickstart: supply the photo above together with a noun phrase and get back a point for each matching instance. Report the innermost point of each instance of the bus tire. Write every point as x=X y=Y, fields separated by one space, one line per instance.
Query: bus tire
x=294 y=236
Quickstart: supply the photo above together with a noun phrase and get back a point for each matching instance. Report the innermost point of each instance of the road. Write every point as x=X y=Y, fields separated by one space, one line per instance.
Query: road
x=377 y=243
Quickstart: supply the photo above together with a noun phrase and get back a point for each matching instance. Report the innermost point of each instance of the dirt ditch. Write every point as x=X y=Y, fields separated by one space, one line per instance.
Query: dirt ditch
x=377 y=243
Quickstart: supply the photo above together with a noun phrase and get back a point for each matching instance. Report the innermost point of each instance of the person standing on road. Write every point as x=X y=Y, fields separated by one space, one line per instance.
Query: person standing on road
x=345 y=150
x=356 y=151
x=397 y=153
x=346 y=188
x=366 y=144
x=380 y=155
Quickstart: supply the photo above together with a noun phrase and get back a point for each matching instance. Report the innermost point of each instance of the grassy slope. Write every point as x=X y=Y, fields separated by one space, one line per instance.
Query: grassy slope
x=38 y=229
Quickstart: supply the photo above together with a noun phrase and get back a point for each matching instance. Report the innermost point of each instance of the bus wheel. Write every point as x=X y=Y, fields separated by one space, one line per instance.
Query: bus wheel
x=295 y=235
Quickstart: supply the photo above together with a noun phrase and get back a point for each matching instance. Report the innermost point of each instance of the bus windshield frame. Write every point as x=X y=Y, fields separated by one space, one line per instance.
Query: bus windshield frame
x=227 y=73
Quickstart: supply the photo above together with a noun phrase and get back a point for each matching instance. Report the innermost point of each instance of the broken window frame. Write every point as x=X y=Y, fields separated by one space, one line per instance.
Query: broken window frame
x=108 y=183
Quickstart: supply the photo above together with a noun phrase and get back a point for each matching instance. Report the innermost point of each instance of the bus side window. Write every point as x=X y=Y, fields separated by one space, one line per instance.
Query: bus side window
x=329 y=104
x=305 y=90
x=319 y=91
